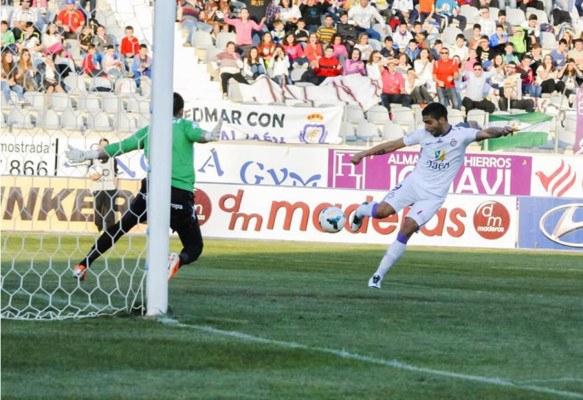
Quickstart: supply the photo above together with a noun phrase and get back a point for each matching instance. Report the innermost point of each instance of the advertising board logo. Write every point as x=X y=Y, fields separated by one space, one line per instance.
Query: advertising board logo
x=559 y=231
x=202 y=206
x=491 y=220
x=559 y=181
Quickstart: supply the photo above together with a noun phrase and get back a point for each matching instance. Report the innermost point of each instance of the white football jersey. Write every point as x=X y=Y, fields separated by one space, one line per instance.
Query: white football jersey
x=440 y=158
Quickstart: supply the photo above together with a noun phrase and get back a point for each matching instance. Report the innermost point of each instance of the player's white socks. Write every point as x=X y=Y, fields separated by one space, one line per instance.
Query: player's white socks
x=367 y=210
x=392 y=254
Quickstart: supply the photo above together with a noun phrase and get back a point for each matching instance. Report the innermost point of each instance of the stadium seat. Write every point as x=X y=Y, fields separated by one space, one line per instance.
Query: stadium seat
x=478 y=116
x=449 y=35
x=296 y=74
x=380 y=29
x=454 y=116
x=353 y=114
x=347 y=130
x=60 y=101
x=110 y=103
x=548 y=40
x=494 y=13
x=145 y=87
x=19 y=118
x=375 y=44
x=378 y=115
x=515 y=16
x=51 y=120
x=73 y=48
x=471 y=13
x=89 y=102
x=542 y=16
x=404 y=117
x=99 y=122
x=368 y=131
x=36 y=100
x=75 y=84
x=126 y=86
x=223 y=38
x=201 y=41
x=392 y=131
x=143 y=120
x=125 y=122
x=100 y=84
x=72 y=120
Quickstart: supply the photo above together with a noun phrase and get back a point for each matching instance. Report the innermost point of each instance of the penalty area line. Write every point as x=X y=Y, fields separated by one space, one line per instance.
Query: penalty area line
x=372 y=360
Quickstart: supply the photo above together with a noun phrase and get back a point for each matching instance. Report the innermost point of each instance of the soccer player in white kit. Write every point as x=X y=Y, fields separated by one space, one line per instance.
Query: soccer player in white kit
x=443 y=148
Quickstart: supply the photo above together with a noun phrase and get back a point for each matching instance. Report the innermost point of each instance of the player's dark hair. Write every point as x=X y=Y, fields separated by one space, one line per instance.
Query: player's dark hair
x=435 y=111
x=178 y=103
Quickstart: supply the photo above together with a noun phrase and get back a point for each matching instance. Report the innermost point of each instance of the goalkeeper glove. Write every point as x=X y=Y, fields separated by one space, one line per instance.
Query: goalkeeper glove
x=77 y=156
x=214 y=134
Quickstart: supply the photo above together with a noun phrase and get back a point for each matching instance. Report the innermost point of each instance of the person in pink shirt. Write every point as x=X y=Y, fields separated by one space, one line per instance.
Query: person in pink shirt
x=340 y=51
x=354 y=65
x=313 y=50
x=244 y=28
x=394 y=87
x=294 y=51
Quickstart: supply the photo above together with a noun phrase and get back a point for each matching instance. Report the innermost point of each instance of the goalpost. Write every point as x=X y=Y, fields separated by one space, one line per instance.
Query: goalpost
x=46 y=211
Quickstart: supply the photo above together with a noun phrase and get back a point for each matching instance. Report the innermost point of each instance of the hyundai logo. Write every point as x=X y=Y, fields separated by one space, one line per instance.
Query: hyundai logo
x=565 y=225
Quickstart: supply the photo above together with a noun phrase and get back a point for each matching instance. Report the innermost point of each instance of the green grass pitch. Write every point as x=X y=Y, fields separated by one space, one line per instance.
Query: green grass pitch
x=283 y=320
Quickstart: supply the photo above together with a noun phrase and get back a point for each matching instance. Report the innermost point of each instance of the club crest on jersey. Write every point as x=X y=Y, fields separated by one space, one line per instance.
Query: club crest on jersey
x=440 y=155
x=453 y=142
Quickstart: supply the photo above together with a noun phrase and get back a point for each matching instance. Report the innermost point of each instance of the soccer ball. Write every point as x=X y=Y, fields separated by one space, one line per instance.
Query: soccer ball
x=332 y=219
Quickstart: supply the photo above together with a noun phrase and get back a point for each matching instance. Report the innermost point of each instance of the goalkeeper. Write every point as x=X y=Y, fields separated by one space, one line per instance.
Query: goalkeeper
x=182 y=217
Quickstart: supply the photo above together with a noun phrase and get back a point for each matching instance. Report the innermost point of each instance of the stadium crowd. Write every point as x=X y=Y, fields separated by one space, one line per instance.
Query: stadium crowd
x=467 y=54
x=44 y=43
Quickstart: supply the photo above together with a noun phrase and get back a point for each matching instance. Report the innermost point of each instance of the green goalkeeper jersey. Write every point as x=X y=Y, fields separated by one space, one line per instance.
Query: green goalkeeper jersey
x=184 y=134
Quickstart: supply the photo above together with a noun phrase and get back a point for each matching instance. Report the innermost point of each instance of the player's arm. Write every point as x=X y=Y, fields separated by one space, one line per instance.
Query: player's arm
x=134 y=142
x=494 y=132
x=378 y=150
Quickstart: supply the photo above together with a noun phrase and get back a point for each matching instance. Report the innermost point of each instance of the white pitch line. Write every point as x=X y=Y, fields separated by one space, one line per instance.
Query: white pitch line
x=372 y=360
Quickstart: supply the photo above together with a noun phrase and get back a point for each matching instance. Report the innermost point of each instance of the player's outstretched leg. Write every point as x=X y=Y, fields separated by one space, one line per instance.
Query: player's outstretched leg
x=366 y=209
x=393 y=252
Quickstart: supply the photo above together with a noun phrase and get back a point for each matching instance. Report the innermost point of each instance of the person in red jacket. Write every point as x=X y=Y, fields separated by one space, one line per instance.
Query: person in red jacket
x=130 y=46
x=70 y=20
x=328 y=65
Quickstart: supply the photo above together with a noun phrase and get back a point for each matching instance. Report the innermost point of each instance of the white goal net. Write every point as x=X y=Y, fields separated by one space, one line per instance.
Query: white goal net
x=52 y=211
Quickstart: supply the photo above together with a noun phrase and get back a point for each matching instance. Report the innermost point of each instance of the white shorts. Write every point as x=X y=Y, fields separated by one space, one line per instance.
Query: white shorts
x=423 y=205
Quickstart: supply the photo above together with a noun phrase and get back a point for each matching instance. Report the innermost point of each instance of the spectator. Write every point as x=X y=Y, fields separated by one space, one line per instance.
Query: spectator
x=497 y=71
x=449 y=11
x=423 y=66
x=529 y=85
x=254 y=65
x=477 y=90
x=312 y=12
x=92 y=9
x=468 y=65
x=279 y=67
x=90 y=63
x=523 y=4
x=294 y=51
x=518 y=39
x=192 y=19
x=509 y=53
x=459 y=48
x=289 y=14
x=301 y=33
x=346 y=30
x=374 y=67
x=363 y=14
x=426 y=9
x=53 y=42
x=340 y=51
x=560 y=53
x=511 y=92
x=402 y=64
x=313 y=50
x=498 y=40
x=362 y=45
x=486 y=3
x=572 y=76
x=532 y=28
x=50 y=77
x=8 y=41
x=328 y=66
x=277 y=33
x=577 y=53
x=412 y=50
x=402 y=37
x=445 y=72
x=266 y=48
x=485 y=53
x=229 y=65
x=393 y=87
x=272 y=13
x=30 y=40
x=101 y=40
x=508 y=29
x=487 y=26
x=537 y=58
x=327 y=31
x=70 y=20
x=244 y=28
x=26 y=74
x=388 y=51
x=354 y=64
x=86 y=38
x=142 y=65
x=130 y=46
x=416 y=88
x=404 y=10
x=111 y=65
x=547 y=76
x=21 y=16
x=9 y=71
